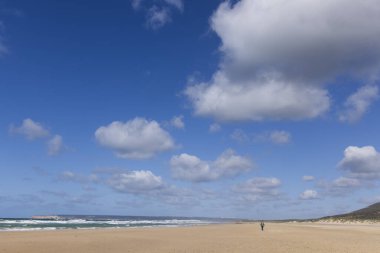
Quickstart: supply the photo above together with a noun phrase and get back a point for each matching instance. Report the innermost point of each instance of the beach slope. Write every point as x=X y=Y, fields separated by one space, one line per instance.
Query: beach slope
x=231 y=238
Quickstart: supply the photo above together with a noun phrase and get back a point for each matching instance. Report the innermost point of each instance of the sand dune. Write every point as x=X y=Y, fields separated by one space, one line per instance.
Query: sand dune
x=233 y=238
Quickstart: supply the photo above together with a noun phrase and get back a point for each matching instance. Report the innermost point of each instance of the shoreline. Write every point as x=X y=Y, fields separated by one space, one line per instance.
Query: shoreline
x=31 y=230
x=301 y=223
x=89 y=222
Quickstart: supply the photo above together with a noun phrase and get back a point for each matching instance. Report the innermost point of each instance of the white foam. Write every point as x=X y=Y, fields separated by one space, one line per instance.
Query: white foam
x=27 y=229
x=35 y=225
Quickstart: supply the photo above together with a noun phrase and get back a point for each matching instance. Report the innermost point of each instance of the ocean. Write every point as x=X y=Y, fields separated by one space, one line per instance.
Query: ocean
x=96 y=222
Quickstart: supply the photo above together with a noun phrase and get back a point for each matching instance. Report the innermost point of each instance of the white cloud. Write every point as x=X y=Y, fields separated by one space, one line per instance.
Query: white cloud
x=134 y=139
x=136 y=182
x=67 y=175
x=300 y=38
x=259 y=188
x=226 y=100
x=344 y=182
x=340 y=186
x=214 y=127
x=145 y=183
x=308 y=178
x=74 y=177
x=275 y=137
x=158 y=13
x=278 y=55
x=176 y=3
x=258 y=183
x=309 y=194
x=361 y=166
x=3 y=48
x=361 y=162
x=33 y=130
x=157 y=17
x=30 y=129
x=177 y=122
x=240 y=136
x=136 y=4
x=280 y=137
x=191 y=168
x=358 y=103
x=55 y=145
x=228 y=163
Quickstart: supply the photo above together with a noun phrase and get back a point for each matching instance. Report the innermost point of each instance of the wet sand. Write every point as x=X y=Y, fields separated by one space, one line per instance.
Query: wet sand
x=230 y=238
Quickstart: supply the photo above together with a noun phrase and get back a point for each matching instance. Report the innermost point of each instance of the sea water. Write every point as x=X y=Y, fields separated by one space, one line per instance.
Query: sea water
x=94 y=222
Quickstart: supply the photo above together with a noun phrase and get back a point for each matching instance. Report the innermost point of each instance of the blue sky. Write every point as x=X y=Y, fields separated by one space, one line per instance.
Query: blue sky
x=249 y=108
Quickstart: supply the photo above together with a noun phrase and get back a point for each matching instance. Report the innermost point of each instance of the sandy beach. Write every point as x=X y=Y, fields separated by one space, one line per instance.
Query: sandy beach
x=244 y=238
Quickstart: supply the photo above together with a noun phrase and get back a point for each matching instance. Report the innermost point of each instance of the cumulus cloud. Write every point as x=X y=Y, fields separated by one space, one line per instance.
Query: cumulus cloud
x=158 y=13
x=358 y=103
x=145 y=183
x=134 y=139
x=33 y=130
x=361 y=162
x=309 y=194
x=191 y=168
x=259 y=188
x=177 y=122
x=30 y=129
x=308 y=178
x=55 y=145
x=361 y=166
x=278 y=55
x=317 y=39
x=269 y=98
x=136 y=182
x=214 y=127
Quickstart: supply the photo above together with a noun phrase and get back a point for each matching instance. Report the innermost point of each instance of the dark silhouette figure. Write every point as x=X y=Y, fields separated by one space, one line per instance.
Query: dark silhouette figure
x=262 y=225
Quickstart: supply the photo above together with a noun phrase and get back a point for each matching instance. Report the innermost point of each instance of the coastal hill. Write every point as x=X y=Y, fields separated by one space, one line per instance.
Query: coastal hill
x=370 y=213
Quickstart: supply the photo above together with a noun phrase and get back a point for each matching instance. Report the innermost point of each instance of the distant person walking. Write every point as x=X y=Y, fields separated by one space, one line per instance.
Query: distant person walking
x=262 y=224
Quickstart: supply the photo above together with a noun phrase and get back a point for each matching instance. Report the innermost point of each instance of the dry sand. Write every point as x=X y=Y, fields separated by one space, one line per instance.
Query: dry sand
x=233 y=238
